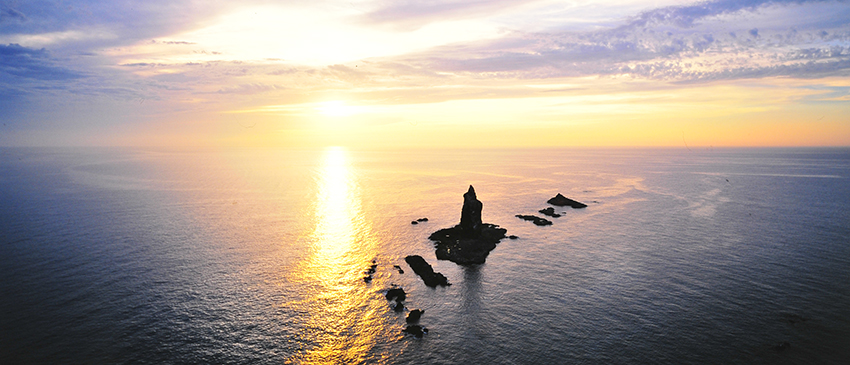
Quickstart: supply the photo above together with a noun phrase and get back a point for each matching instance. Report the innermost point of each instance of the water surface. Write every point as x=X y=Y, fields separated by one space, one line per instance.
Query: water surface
x=257 y=256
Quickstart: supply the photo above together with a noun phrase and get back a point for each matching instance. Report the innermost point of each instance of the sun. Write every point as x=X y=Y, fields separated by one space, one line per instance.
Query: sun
x=335 y=108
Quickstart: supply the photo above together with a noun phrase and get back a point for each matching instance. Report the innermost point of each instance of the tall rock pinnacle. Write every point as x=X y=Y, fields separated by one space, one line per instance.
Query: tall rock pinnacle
x=470 y=214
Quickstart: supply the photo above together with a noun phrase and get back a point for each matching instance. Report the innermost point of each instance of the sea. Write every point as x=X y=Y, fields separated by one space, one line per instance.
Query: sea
x=258 y=256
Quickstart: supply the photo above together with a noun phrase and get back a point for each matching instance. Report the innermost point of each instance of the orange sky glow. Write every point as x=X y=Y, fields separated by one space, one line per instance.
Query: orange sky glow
x=371 y=74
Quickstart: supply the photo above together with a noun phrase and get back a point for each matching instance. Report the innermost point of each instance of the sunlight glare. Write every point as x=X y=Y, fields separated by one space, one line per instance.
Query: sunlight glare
x=342 y=245
x=335 y=109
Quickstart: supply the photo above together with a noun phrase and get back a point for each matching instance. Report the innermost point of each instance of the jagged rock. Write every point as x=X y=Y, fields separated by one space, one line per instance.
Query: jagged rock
x=470 y=214
x=414 y=316
x=415 y=330
x=426 y=272
x=560 y=200
x=396 y=294
x=550 y=212
x=367 y=279
x=535 y=219
x=470 y=241
x=400 y=271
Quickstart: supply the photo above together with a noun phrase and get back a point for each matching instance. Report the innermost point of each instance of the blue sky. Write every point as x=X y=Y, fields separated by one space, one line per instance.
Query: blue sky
x=296 y=73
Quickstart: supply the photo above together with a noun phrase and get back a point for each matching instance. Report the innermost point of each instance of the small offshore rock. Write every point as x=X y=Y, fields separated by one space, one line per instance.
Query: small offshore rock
x=426 y=272
x=550 y=212
x=535 y=219
x=396 y=294
x=415 y=330
x=367 y=279
x=399 y=307
x=513 y=237
x=414 y=222
x=561 y=201
x=422 y=220
x=414 y=316
x=400 y=271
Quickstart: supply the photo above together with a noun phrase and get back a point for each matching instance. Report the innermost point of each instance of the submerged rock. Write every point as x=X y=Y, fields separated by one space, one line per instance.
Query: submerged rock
x=561 y=201
x=470 y=241
x=535 y=219
x=426 y=272
x=550 y=212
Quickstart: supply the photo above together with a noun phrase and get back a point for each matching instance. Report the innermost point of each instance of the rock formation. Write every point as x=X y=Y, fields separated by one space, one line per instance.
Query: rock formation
x=470 y=214
x=561 y=201
x=415 y=330
x=396 y=294
x=535 y=219
x=426 y=272
x=550 y=212
x=470 y=241
x=414 y=316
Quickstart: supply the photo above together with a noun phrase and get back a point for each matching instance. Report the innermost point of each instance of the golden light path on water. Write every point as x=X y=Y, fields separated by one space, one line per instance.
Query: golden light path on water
x=345 y=319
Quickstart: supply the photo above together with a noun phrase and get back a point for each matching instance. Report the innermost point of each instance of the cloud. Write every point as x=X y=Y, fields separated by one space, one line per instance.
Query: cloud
x=687 y=15
x=8 y=14
x=29 y=63
x=412 y=14
x=681 y=44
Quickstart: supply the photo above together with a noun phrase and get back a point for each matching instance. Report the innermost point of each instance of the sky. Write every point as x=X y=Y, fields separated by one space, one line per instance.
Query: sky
x=445 y=73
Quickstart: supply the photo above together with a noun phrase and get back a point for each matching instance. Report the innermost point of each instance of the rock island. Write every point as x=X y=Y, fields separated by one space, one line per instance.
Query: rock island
x=469 y=242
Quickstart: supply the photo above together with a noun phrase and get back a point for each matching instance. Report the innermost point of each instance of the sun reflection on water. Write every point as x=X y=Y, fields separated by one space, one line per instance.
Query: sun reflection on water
x=344 y=319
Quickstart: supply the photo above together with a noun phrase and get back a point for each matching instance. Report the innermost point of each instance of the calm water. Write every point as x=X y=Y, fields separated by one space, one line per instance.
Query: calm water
x=257 y=256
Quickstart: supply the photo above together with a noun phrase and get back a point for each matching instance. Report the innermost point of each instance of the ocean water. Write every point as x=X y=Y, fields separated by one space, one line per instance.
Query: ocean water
x=683 y=256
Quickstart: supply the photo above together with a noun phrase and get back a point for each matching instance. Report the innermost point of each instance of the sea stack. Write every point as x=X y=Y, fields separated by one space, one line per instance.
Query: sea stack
x=469 y=242
x=470 y=214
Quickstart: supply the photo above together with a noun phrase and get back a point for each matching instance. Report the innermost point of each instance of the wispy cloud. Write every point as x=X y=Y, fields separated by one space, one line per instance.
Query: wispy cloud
x=708 y=41
x=23 y=62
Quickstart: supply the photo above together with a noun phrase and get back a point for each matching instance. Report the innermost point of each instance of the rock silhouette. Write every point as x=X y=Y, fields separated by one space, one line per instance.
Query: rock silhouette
x=414 y=316
x=426 y=272
x=396 y=294
x=535 y=219
x=415 y=330
x=550 y=212
x=561 y=201
x=469 y=242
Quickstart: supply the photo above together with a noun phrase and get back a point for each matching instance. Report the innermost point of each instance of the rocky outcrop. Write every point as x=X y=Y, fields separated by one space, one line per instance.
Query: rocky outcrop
x=396 y=294
x=469 y=242
x=550 y=212
x=426 y=272
x=562 y=201
x=535 y=219
x=414 y=316
x=415 y=330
